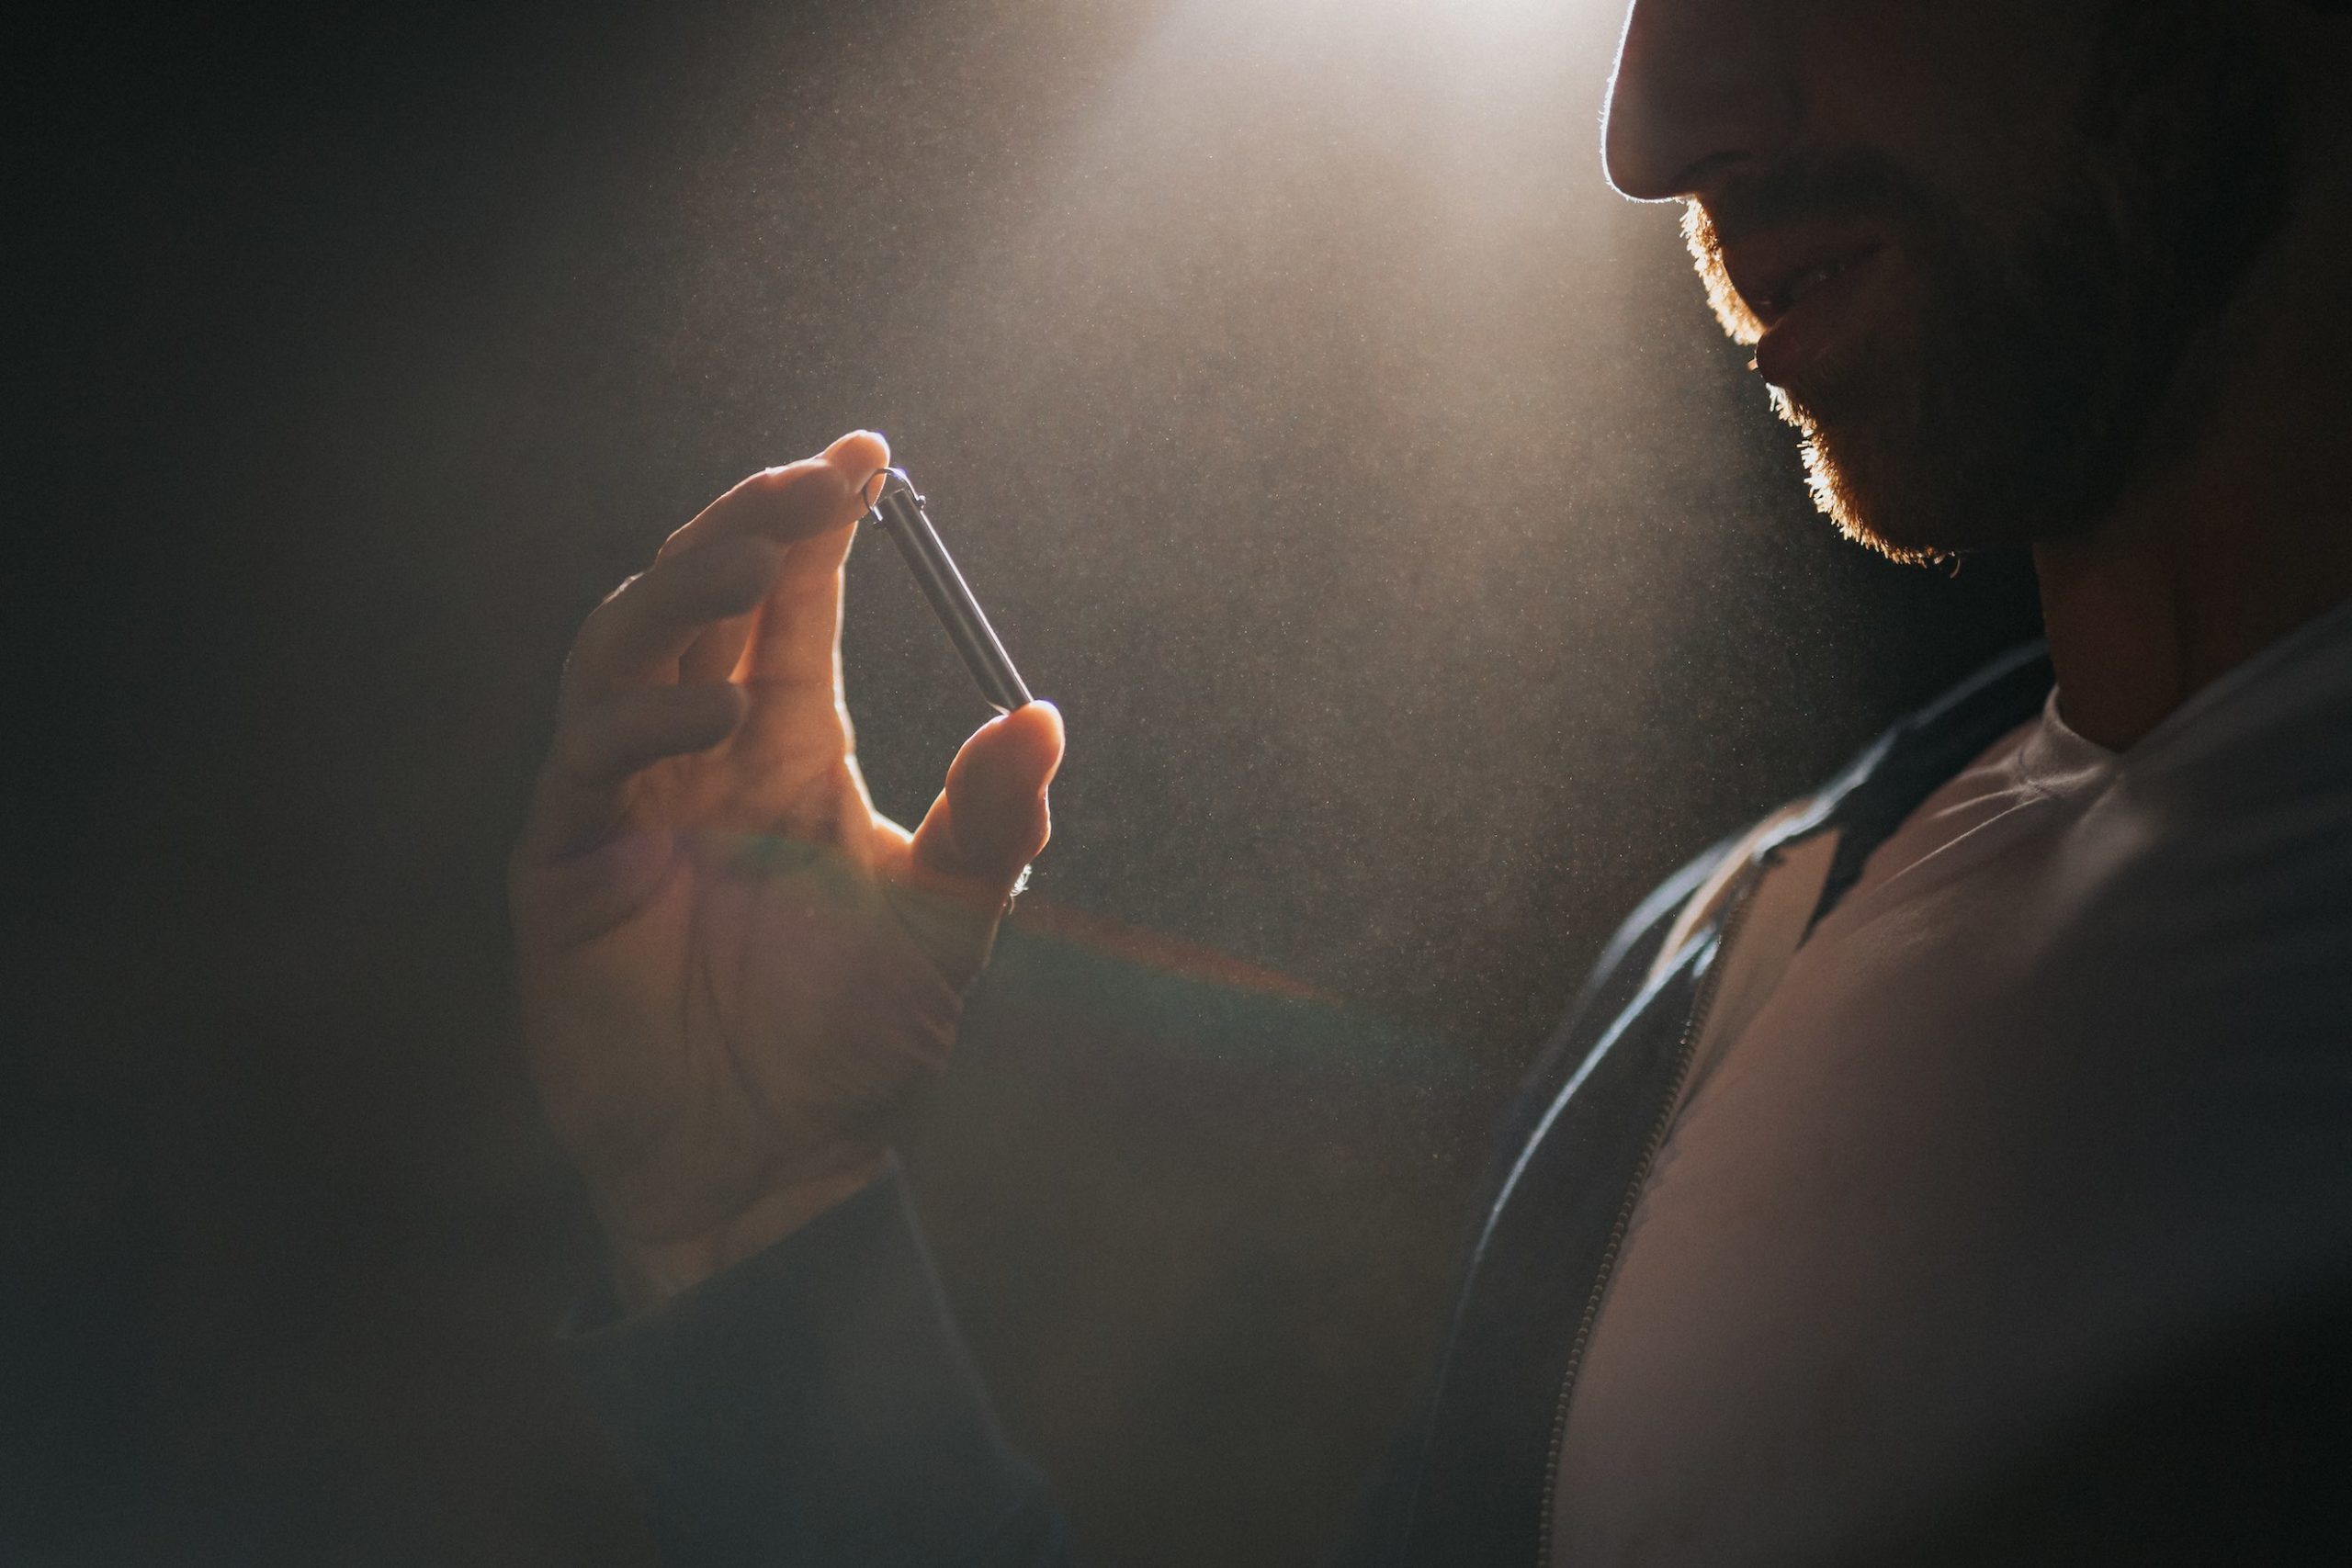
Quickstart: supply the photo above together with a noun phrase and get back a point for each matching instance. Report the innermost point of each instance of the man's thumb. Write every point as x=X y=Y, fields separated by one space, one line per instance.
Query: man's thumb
x=991 y=820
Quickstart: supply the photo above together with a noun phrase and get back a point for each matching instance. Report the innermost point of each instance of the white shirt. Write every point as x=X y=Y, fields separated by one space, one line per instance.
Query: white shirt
x=2064 y=1081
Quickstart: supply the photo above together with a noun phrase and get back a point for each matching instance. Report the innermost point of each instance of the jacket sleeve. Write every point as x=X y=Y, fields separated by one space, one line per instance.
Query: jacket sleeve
x=815 y=1405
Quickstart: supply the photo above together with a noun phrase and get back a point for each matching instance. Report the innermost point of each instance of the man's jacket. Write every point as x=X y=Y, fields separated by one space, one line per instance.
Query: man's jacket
x=815 y=1405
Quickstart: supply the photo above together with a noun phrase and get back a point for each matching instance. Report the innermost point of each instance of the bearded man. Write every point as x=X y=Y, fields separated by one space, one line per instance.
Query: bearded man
x=1952 y=1168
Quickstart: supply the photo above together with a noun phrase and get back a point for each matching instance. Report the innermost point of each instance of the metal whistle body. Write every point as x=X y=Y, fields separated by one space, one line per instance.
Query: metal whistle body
x=899 y=511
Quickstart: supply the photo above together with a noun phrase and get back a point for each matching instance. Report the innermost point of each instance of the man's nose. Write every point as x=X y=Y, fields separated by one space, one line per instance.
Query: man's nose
x=1700 y=87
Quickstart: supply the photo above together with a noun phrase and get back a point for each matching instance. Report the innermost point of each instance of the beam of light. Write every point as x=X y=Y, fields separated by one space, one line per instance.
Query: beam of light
x=1276 y=364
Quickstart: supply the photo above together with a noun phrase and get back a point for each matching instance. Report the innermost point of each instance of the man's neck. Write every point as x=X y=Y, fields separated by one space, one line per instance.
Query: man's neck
x=2239 y=530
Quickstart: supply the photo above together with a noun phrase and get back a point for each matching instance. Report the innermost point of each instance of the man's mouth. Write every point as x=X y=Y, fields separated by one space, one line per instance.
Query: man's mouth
x=1816 y=309
x=1806 y=291
x=1806 y=282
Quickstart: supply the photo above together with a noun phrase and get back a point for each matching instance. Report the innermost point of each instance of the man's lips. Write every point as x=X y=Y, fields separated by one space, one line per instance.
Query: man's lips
x=1802 y=286
x=1774 y=271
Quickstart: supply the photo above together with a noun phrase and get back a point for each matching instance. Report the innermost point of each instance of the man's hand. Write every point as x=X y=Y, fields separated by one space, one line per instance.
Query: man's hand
x=732 y=968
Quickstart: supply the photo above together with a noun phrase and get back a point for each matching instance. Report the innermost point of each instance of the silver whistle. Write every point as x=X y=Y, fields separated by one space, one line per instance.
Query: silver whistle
x=898 y=509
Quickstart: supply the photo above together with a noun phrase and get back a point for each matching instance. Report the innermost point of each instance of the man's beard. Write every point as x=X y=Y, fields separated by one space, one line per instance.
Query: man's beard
x=2021 y=405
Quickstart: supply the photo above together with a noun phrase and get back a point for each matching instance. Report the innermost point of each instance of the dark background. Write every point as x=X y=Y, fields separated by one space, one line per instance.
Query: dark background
x=1420 y=575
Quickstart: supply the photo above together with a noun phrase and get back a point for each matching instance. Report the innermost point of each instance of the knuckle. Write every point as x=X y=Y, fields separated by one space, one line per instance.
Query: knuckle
x=769 y=483
x=596 y=627
x=619 y=588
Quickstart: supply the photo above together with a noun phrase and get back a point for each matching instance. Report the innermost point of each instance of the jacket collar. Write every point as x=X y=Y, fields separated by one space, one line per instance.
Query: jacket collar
x=1894 y=773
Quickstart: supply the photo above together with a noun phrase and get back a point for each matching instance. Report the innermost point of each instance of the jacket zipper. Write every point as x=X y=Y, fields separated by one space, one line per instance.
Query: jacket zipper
x=1685 y=1051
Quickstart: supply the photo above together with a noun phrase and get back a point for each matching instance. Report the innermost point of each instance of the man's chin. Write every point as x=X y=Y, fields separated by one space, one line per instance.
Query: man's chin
x=1879 y=488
